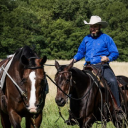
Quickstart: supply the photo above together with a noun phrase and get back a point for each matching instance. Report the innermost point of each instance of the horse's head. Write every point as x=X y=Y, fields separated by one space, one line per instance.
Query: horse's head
x=63 y=80
x=34 y=82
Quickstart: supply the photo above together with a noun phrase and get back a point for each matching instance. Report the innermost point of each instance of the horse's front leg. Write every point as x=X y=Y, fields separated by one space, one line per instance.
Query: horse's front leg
x=15 y=119
x=34 y=121
x=88 y=122
x=5 y=120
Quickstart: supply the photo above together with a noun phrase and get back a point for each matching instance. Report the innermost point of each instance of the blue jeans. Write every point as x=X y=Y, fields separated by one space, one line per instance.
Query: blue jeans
x=109 y=75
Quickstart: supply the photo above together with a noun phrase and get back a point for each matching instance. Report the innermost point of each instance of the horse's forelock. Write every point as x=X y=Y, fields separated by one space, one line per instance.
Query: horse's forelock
x=26 y=51
x=61 y=68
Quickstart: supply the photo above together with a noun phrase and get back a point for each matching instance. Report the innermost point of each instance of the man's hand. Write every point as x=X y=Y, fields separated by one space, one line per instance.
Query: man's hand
x=104 y=59
x=72 y=60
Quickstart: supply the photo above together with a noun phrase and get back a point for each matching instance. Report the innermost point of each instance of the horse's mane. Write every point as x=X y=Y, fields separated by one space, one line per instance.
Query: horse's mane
x=77 y=72
x=74 y=70
x=61 y=68
x=26 y=51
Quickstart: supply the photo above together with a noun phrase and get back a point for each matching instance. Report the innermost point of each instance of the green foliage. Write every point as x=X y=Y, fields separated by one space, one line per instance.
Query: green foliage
x=56 y=28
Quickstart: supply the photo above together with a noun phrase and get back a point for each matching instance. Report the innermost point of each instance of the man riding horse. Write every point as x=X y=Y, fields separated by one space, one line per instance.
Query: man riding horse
x=99 y=48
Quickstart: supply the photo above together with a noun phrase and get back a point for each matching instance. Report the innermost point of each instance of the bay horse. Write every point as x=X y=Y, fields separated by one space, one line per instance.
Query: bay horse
x=88 y=102
x=23 y=92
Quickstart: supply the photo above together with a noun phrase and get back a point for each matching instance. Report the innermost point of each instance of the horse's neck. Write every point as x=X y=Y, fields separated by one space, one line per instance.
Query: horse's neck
x=16 y=69
x=80 y=82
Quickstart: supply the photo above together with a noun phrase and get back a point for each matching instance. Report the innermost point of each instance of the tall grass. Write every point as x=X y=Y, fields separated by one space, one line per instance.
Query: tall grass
x=51 y=113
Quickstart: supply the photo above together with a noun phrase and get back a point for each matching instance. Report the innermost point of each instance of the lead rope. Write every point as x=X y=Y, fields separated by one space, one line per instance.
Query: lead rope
x=33 y=121
x=60 y=116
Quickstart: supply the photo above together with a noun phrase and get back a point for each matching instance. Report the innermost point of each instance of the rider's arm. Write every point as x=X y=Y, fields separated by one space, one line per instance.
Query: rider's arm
x=113 y=51
x=81 y=51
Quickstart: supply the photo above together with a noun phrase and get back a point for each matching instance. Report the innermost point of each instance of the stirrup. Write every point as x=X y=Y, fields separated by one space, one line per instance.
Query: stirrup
x=120 y=114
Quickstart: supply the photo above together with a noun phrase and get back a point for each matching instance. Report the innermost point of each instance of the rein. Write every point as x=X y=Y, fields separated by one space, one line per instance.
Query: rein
x=21 y=91
x=69 y=95
x=49 y=65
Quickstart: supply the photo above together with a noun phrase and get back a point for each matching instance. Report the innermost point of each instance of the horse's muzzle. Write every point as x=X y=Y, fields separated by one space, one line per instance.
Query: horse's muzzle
x=60 y=101
x=32 y=110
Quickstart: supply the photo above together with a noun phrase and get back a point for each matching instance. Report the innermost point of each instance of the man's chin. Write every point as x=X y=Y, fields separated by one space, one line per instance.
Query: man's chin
x=94 y=34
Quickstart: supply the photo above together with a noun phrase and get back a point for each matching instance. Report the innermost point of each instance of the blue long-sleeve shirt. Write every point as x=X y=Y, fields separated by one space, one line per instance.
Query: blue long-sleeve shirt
x=92 y=49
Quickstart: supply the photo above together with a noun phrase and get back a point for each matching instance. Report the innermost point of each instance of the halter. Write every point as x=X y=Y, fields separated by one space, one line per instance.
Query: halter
x=34 y=67
x=62 y=72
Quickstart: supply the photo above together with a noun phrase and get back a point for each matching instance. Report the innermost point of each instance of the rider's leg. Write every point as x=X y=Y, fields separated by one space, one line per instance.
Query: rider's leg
x=112 y=82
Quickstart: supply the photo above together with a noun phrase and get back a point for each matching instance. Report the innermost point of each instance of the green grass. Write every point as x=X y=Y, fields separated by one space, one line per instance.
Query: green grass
x=51 y=115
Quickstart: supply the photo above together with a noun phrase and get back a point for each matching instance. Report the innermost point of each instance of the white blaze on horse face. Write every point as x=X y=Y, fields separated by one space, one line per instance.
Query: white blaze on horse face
x=32 y=99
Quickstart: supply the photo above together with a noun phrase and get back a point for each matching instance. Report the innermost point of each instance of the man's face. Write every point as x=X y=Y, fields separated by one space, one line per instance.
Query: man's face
x=94 y=30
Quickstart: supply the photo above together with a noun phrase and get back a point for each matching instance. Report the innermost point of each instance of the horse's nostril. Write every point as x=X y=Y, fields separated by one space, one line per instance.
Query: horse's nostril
x=27 y=105
x=59 y=100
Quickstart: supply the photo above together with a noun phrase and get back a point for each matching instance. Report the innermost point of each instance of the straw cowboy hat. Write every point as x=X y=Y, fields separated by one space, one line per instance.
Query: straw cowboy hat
x=97 y=20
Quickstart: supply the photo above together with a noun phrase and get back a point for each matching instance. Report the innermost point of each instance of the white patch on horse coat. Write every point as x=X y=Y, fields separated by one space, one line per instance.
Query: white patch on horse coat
x=32 y=100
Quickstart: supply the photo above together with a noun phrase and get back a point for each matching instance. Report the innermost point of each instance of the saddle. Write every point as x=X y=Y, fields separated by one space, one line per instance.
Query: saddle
x=97 y=73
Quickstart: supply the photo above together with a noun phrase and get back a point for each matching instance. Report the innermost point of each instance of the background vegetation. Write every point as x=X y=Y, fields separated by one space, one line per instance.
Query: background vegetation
x=56 y=28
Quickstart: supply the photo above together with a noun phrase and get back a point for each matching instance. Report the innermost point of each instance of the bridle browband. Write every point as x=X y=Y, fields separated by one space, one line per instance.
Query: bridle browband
x=34 y=67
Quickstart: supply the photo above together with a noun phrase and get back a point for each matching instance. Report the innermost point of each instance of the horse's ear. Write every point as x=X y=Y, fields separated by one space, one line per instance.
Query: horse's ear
x=43 y=60
x=24 y=60
x=57 y=65
x=70 y=65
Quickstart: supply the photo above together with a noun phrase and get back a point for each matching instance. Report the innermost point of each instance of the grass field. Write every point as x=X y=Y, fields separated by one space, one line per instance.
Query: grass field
x=50 y=112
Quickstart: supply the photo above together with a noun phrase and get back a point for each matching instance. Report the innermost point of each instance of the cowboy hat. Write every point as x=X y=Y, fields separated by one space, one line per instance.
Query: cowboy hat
x=96 y=20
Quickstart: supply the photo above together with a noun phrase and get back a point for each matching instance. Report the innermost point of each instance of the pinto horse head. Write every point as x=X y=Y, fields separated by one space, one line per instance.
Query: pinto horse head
x=24 y=89
x=63 y=80
x=34 y=82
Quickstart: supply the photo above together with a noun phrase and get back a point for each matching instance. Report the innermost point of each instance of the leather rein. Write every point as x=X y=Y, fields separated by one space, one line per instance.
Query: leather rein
x=70 y=85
